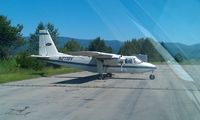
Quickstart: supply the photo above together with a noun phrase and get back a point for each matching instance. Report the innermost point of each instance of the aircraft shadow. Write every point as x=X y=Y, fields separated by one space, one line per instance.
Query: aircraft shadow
x=115 y=78
x=79 y=80
x=67 y=77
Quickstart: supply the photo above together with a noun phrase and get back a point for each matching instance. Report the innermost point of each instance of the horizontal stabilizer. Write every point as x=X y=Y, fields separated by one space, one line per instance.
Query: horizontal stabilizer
x=39 y=56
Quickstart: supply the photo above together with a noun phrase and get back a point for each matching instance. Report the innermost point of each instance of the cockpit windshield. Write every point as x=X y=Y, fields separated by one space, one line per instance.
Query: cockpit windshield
x=137 y=61
x=134 y=60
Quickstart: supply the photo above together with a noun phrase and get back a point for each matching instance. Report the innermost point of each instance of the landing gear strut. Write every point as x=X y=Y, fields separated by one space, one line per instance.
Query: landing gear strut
x=100 y=69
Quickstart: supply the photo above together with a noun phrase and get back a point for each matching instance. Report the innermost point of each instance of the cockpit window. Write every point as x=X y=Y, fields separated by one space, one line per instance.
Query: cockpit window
x=129 y=61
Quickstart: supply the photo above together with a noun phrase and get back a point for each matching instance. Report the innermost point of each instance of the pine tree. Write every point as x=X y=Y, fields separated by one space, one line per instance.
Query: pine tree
x=10 y=37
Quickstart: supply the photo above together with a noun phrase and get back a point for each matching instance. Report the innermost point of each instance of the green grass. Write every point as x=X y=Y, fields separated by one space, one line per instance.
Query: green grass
x=15 y=76
x=28 y=74
x=8 y=66
x=10 y=71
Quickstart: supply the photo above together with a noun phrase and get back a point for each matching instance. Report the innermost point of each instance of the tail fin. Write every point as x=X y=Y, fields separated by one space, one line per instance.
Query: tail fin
x=46 y=44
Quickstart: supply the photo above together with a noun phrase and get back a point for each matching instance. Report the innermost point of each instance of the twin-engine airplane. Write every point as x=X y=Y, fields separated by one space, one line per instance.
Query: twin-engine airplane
x=103 y=63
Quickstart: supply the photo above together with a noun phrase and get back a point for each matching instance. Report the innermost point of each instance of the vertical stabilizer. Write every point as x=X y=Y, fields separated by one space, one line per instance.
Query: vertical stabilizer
x=46 y=44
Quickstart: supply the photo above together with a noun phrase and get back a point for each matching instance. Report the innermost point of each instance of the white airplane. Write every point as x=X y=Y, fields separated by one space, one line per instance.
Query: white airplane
x=103 y=63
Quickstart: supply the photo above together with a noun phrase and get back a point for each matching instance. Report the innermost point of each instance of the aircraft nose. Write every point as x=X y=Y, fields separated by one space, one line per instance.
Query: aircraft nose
x=149 y=65
x=153 y=66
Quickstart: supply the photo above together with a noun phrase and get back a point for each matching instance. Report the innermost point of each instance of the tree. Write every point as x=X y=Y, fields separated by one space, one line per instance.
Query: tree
x=164 y=45
x=10 y=37
x=149 y=49
x=179 y=57
x=109 y=49
x=71 y=45
x=140 y=46
x=130 y=47
x=99 y=45
x=32 y=63
x=34 y=38
x=53 y=32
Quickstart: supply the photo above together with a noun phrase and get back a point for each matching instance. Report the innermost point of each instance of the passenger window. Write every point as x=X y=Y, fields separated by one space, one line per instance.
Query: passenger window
x=128 y=61
x=133 y=60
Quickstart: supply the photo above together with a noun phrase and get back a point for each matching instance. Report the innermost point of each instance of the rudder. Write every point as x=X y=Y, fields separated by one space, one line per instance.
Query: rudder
x=46 y=44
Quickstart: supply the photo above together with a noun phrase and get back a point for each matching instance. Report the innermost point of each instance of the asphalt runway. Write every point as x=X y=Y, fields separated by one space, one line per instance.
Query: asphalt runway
x=81 y=96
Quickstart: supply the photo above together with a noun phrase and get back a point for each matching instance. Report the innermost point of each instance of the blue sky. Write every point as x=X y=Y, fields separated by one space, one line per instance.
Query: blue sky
x=166 y=20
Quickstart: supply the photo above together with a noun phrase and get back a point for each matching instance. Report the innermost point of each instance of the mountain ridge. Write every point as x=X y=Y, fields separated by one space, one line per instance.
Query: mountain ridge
x=115 y=44
x=188 y=51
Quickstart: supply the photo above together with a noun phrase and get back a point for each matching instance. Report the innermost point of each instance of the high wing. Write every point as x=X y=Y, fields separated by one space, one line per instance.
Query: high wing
x=95 y=54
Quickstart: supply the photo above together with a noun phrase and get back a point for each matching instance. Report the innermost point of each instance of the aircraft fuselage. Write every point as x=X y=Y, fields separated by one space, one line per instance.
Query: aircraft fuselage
x=109 y=65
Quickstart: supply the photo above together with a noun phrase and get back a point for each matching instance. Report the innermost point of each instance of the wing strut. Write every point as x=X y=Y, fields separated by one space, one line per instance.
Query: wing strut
x=100 y=68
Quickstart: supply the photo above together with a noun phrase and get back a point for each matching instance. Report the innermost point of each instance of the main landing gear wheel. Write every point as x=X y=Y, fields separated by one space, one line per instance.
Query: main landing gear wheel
x=109 y=75
x=101 y=77
x=151 y=77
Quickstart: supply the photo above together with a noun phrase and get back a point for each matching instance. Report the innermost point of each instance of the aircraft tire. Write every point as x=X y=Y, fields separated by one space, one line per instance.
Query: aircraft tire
x=151 y=77
x=101 y=77
x=109 y=75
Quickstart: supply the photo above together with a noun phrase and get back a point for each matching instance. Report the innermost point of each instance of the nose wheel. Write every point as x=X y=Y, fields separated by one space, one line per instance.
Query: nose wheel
x=152 y=77
x=101 y=76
